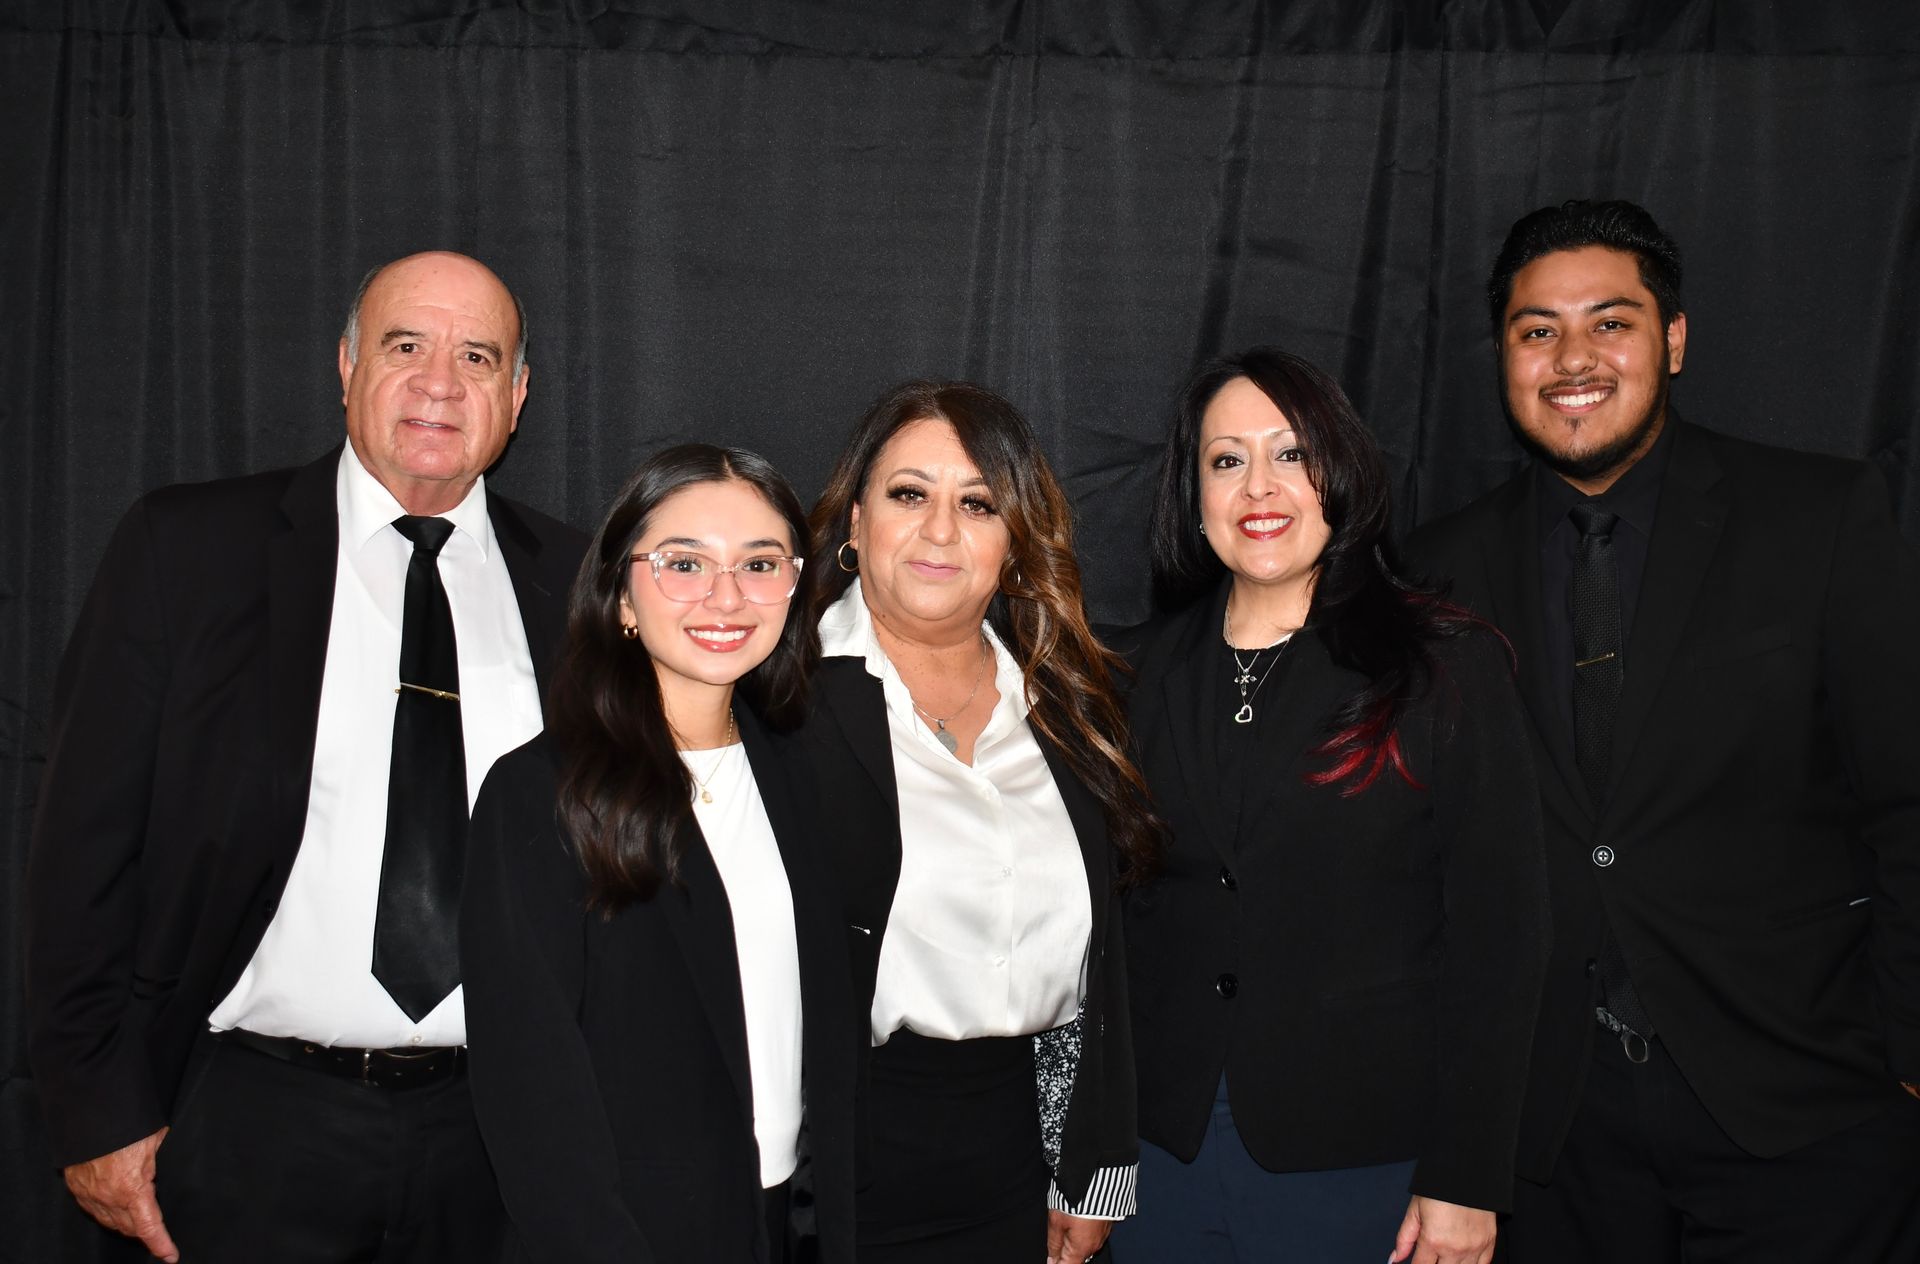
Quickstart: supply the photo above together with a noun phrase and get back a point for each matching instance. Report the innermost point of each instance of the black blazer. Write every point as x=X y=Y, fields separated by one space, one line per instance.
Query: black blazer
x=609 y=1068
x=1758 y=850
x=1364 y=969
x=176 y=785
x=850 y=756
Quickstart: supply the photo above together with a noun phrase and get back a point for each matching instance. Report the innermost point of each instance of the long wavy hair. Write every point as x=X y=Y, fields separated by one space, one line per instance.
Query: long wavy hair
x=1039 y=611
x=624 y=792
x=1372 y=618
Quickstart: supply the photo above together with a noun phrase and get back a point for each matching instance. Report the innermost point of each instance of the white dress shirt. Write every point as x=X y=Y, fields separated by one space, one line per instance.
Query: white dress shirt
x=741 y=840
x=990 y=923
x=312 y=975
x=992 y=919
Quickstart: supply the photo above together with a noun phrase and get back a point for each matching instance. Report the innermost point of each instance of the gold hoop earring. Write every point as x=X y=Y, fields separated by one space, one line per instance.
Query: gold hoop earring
x=630 y=630
x=840 y=558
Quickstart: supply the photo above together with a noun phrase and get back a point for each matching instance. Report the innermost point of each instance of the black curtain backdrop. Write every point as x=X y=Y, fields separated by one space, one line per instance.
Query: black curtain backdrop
x=740 y=220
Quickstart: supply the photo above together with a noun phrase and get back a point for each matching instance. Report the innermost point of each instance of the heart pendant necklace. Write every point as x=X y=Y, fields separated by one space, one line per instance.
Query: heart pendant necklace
x=1245 y=675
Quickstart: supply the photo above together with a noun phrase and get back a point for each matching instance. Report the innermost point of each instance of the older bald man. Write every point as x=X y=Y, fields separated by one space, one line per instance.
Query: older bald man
x=245 y=1016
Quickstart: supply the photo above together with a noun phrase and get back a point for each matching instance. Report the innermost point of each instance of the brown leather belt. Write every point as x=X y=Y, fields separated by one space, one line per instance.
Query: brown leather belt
x=381 y=1068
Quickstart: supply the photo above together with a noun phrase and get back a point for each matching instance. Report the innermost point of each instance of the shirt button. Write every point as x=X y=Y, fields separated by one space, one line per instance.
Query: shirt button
x=1006 y=871
x=1603 y=855
x=999 y=961
x=414 y=1039
x=1227 y=879
x=1226 y=985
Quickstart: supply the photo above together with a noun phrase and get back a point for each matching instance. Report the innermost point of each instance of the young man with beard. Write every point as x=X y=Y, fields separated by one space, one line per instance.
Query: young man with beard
x=1713 y=638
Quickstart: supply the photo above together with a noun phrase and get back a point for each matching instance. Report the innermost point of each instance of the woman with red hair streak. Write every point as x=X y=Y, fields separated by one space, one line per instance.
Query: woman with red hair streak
x=1334 y=973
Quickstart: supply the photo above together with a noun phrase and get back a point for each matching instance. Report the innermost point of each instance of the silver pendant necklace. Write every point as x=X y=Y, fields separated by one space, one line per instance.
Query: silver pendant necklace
x=1246 y=677
x=940 y=733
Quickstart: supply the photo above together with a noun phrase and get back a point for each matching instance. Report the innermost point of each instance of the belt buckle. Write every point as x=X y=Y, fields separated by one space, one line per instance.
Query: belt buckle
x=366 y=1066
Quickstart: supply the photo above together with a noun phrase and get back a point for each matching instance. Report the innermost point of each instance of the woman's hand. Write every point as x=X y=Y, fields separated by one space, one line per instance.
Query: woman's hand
x=1443 y=1233
x=1072 y=1239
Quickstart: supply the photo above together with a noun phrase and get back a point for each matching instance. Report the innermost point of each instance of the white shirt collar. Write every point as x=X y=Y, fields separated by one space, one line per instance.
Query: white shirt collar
x=846 y=631
x=366 y=506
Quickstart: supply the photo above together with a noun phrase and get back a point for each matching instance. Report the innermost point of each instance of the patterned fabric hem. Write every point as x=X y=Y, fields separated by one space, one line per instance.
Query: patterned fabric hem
x=1111 y=1196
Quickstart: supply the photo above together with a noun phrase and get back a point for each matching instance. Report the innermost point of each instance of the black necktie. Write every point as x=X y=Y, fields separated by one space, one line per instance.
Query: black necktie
x=416 y=956
x=1599 y=667
x=1598 y=658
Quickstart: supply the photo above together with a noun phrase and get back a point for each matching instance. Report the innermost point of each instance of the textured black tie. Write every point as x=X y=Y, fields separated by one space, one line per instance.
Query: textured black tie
x=416 y=956
x=1598 y=658
x=1599 y=668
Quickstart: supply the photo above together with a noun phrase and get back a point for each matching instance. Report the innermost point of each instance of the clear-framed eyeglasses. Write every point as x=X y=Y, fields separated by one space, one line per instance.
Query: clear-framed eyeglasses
x=765 y=579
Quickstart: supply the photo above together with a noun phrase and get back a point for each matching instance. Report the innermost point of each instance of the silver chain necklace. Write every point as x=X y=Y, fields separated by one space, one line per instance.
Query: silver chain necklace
x=1246 y=677
x=940 y=732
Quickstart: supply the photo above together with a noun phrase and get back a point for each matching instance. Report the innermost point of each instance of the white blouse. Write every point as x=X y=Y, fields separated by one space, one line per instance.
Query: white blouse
x=990 y=924
x=740 y=838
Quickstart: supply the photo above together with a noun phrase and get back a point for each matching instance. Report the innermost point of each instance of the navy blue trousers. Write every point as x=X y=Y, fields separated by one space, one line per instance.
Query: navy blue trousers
x=1224 y=1208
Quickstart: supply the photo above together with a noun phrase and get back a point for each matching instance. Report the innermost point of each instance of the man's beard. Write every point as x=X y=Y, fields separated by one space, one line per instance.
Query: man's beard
x=1628 y=446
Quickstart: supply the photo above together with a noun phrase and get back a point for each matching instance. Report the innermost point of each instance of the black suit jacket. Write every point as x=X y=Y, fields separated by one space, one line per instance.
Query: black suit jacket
x=176 y=785
x=1757 y=851
x=610 y=1070
x=850 y=757
x=1384 y=950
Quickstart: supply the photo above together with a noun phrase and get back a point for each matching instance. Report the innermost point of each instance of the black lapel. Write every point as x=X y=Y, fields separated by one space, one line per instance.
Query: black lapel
x=702 y=922
x=815 y=926
x=859 y=708
x=1193 y=634
x=1512 y=556
x=1089 y=826
x=1686 y=532
x=866 y=847
x=302 y=559
x=541 y=597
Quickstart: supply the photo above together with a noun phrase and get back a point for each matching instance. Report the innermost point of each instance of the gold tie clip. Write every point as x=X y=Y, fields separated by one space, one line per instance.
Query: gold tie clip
x=438 y=693
x=1588 y=662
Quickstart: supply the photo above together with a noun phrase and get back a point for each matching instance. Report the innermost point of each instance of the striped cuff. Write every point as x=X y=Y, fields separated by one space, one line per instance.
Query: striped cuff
x=1111 y=1195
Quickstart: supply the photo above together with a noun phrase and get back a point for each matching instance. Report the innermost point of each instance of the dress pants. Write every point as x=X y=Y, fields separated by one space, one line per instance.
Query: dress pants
x=957 y=1173
x=267 y=1160
x=1647 y=1177
x=1224 y=1208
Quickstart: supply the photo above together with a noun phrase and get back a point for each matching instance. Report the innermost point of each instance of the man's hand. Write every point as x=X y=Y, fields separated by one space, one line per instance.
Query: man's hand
x=1912 y=1089
x=117 y=1190
x=1443 y=1233
x=1071 y=1239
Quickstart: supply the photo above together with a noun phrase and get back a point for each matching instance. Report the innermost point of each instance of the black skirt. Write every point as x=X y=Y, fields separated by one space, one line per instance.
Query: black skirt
x=957 y=1169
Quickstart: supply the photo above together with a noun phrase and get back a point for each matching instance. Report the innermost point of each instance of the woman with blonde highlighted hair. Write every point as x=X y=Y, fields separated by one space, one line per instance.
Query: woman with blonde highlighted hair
x=968 y=740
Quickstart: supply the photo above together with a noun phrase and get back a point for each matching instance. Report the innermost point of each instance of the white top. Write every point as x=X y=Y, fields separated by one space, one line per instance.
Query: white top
x=312 y=976
x=740 y=838
x=990 y=923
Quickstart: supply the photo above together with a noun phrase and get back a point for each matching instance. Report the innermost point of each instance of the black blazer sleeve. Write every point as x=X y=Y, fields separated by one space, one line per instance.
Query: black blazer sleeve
x=84 y=890
x=1100 y=1130
x=1487 y=807
x=523 y=963
x=1872 y=680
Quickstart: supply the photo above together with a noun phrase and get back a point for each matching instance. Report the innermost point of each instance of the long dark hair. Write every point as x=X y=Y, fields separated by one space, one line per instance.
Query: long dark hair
x=1372 y=619
x=1039 y=611
x=624 y=792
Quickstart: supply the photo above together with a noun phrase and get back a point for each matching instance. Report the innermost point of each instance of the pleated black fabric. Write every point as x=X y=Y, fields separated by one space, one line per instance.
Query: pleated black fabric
x=740 y=220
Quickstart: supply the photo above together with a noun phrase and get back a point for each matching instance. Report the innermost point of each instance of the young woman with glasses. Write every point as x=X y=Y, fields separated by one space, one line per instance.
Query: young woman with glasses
x=650 y=970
